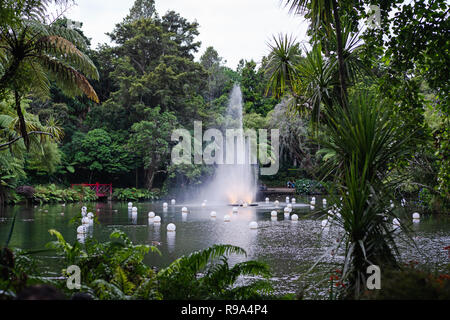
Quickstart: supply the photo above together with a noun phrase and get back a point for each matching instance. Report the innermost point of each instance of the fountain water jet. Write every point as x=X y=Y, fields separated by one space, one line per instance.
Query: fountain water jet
x=234 y=183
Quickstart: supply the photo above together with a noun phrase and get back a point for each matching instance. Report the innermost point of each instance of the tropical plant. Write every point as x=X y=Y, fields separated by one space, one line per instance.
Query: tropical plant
x=34 y=52
x=110 y=270
x=196 y=276
x=363 y=143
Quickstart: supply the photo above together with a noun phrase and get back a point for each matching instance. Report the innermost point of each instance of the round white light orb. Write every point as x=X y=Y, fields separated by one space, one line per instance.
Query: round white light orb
x=311 y=207
x=226 y=218
x=203 y=204
x=81 y=229
x=276 y=203
x=416 y=215
x=294 y=217
x=253 y=225
x=267 y=200
x=286 y=209
x=171 y=227
x=130 y=204
x=157 y=219
x=287 y=199
x=151 y=214
x=235 y=209
x=324 y=201
x=289 y=205
x=313 y=199
x=213 y=214
x=134 y=209
x=184 y=209
x=293 y=200
x=273 y=213
x=165 y=205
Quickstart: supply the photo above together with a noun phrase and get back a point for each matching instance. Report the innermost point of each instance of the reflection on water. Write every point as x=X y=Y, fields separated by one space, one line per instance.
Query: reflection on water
x=289 y=247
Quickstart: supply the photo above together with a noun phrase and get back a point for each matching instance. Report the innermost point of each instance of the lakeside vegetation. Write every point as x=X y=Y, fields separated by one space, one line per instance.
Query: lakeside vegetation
x=362 y=113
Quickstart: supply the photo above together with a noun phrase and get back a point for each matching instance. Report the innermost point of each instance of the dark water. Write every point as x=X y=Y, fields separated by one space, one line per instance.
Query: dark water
x=290 y=248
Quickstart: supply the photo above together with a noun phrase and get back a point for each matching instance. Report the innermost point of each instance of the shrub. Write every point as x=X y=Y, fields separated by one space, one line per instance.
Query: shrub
x=133 y=194
x=307 y=186
x=52 y=193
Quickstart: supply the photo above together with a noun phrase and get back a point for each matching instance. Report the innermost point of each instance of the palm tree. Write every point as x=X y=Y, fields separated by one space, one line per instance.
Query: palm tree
x=325 y=13
x=33 y=53
x=361 y=143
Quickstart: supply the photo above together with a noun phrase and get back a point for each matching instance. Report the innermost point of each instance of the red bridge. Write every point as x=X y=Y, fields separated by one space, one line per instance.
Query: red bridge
x=101 y=190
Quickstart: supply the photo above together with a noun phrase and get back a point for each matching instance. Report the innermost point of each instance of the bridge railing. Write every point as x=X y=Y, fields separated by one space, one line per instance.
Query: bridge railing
x=101 y=189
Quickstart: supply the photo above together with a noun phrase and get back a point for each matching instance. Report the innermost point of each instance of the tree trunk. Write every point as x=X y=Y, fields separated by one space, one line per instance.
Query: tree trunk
x=340 y=54
x=22 y=125
x=150 y=177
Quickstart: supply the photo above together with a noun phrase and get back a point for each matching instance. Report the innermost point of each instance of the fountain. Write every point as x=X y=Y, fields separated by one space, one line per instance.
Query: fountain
x=235 y=183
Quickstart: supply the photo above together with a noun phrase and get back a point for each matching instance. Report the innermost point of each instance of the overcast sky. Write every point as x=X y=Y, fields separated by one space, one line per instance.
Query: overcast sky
x=235 y=28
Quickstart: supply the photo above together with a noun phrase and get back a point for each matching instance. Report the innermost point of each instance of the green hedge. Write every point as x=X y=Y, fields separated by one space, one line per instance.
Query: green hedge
x=53 y=193
x=308 y=186
x=133 y=194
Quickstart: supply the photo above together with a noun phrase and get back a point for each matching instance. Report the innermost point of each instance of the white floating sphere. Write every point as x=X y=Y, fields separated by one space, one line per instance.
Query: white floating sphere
x=203 y=204
x=293 y=200
x=253 y=225
x=287 y=199
x=157 y=219
x=311 y=207
x=130 y=204
x=273 y=213
x=235 y=209
x=289 y=205
x=396 y=222
x=213 y=214
x=294 y=217
x=313 y=199
x=171 y=227
x=313 y=202
x=151 y=214
x=134 y=209
x=267 y=200
x=165 y=205
x=173 y=201
x=416 y=215
x=325 y=223
x=276 y=203
x=324 y=201
x=286 y=209
x=81 y=229
x=184 y=209
x=226 y=218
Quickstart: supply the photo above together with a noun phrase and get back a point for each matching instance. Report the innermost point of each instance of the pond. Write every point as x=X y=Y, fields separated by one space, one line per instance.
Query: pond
x=289 y=247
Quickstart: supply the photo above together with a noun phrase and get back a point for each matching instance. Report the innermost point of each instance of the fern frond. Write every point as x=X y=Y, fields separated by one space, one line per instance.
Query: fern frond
x=70 y=80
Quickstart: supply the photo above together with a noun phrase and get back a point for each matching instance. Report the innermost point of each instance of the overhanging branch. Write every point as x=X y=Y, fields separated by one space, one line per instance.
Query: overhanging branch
x=4 y=145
